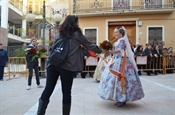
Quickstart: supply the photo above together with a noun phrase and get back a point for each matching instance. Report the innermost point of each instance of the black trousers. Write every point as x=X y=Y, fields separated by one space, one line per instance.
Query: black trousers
x=1 y=72
x=66 y=77
x=32 y=66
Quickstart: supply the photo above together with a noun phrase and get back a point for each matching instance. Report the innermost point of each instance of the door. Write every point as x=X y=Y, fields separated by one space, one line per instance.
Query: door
x=130 y=27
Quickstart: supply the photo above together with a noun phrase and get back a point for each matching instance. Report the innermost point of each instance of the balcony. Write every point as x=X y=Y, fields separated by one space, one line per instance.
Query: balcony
x=102 y=7
x=18 y=4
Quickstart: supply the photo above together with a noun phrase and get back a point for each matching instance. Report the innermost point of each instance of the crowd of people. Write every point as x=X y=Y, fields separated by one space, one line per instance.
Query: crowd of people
x=154 y=52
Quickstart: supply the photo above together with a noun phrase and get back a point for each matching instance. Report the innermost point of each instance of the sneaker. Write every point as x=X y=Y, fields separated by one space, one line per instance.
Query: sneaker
x=28 y=87
x=40 y=86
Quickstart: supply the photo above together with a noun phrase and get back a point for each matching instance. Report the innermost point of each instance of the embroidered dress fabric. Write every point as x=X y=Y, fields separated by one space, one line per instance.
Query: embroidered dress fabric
x=109 y=86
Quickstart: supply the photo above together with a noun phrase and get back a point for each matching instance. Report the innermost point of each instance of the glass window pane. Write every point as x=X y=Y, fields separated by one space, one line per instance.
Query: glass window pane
x=155 y=35
x=121 y=4
x=91 y=34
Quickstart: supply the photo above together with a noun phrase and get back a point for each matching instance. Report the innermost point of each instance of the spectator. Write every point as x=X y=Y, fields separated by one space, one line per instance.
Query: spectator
x=157 y=52
x=165 y=52
x=3 y=61
x=136 y=47
x=149 y=53
x=139 y=52
x=146 y=46
x=170 y=59
x=32 y=64
x=161 y=45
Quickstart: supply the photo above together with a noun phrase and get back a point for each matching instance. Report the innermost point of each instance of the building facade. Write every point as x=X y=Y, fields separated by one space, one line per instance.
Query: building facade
x=11 y=22
x=146 y=21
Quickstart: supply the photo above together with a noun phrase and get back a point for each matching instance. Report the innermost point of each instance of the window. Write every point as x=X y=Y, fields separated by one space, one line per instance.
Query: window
x=155 y=35
x=121 y=4
x=91 y=34
x=153 y=3
x=35 y=6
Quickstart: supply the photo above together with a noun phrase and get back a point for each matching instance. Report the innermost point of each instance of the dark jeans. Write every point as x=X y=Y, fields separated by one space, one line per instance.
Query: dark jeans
x=32 y=66
x=66 y=77
x=1 y=72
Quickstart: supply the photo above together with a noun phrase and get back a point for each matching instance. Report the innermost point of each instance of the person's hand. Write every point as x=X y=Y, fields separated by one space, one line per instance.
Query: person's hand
x=104 y=51
x=155 y=55
x=85 y=57
x=107 y=54
x=37 y=52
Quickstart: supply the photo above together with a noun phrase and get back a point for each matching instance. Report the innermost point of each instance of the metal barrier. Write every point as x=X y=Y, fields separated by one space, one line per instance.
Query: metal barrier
x=163 y=64
x=147 y=64
x=169 y=63
x=17 y=65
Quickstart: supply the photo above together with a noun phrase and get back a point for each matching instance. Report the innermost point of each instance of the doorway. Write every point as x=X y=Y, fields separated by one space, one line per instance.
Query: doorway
x=130 y=27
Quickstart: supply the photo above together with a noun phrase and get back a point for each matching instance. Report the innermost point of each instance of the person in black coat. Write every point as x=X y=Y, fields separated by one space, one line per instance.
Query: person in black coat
x=139 y=52
x=32 y=64
x=69 y=29
x=3 y=61
x=149 y=53
x=157 y=52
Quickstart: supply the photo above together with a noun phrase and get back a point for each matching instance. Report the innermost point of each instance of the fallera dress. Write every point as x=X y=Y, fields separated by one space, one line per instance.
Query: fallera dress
x=109 y=86
x=100 y=66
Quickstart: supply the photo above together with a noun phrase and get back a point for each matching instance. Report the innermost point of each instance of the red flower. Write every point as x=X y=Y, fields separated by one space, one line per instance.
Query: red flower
x=32 y=51
x=106 y=45
x=43 y=50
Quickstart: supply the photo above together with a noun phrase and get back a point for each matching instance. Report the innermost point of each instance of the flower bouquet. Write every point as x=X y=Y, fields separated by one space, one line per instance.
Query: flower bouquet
x=37 y=53
x=30 y=51
x=42 y=52
x=106 y=45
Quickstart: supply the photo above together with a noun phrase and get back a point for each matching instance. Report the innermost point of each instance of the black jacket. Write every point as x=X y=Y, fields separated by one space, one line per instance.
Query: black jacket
x=3 y=57
x=29 y=56
x=76 y=55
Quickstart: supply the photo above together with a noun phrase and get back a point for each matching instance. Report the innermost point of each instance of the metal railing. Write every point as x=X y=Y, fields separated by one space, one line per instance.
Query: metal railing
x=169 y=62
x=17 y=3
x=18 y=65
x=92 y=6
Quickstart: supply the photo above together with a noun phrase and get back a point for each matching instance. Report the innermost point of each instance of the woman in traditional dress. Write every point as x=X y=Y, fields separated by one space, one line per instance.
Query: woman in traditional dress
x=110 y=87
x=103 y=61
x=100 y=66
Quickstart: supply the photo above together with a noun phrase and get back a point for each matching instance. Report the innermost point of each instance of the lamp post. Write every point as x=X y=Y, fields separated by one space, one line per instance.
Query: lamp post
x=31 y=18
x=44 y=21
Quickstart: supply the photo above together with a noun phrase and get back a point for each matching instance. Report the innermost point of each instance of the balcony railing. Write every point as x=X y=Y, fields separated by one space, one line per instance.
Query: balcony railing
x=98 y=6
x=18 y=4
x=15 y=31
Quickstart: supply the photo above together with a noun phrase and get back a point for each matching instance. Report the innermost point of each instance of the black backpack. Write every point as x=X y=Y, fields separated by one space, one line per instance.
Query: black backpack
x=58 y=52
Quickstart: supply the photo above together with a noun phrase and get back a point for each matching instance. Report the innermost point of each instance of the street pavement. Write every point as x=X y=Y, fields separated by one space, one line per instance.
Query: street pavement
x=159 y=97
